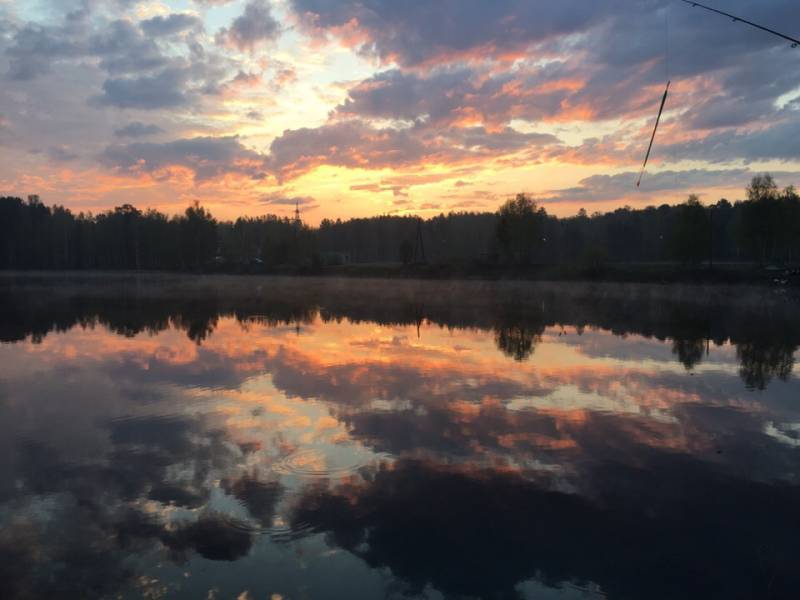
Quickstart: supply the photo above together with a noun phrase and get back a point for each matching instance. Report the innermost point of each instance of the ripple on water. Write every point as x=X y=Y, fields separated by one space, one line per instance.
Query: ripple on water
x=284 y=533
x=279 y=531
x=313 y=463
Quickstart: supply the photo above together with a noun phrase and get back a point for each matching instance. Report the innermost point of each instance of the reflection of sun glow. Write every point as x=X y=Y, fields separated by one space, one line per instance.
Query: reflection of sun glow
x=219 y=432
x=317 y=388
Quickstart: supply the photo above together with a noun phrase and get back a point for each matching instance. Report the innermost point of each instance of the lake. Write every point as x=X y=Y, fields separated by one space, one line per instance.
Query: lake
x=275 y=438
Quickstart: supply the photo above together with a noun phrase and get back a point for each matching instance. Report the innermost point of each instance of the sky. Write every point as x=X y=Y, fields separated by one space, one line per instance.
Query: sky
x=362 y=107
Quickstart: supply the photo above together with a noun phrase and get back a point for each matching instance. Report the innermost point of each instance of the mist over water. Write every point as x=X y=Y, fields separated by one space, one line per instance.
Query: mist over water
x=223 y=437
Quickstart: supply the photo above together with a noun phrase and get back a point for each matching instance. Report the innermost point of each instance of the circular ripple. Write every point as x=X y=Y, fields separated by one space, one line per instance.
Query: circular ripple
x=279 y=532
x=232 y=522
x=285 y=533
x=314 y=464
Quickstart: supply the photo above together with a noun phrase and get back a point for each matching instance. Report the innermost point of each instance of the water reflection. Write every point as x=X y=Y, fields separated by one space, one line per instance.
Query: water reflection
x=178 y=437
x=478 y=532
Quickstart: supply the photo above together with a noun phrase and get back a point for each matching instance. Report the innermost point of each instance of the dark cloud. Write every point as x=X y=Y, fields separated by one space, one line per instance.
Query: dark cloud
x=623 y=33
x=177 y=495
x=165 y=89
x=480 y=139
x=398 y=95
x=346 y=384
x=34 y=50
x=119 y=45
x=95 y=519
x=61 y=154
x=462 y=73
x=774 y=139
x=140 y=72
x=610 y=187
x=561 y=91
x=405 y=520
x=213 y=537
x=355 y=144
x=260 y=497
x=210 y=368
x=453 y=97
x=717 y=112
x=123 y=48
x=419 y=31
x=206 y=157
x=350 y=144
x=777 y=141
x=256 y=25
x=169 y=25
x=138 y=129
x=605 y=73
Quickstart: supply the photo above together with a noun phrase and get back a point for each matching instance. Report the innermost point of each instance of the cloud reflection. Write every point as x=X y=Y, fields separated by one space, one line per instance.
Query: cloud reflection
x=524 y=434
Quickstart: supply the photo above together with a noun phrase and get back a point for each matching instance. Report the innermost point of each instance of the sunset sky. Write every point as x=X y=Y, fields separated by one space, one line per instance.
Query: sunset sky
x=364 y=107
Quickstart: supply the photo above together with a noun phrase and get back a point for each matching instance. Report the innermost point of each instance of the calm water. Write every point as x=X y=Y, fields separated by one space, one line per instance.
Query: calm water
x=265 y=438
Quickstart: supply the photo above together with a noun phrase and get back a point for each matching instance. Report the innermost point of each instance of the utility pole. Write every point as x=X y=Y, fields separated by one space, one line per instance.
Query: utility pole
x=297 y=224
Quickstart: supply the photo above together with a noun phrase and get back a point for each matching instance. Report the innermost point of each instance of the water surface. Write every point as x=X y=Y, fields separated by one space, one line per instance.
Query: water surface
x=174 y=437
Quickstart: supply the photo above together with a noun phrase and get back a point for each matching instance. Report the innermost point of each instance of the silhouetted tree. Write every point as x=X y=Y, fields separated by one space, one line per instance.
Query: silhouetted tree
x=761 y=360
x=406 y=252
x=764 y=227
x=519 y=228
x=517 y=341
x=689 y=352
x=198 y=237
x=690 y=233
x=790 y=234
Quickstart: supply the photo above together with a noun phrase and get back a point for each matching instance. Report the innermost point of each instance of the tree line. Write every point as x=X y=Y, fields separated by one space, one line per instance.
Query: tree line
x=763 y=228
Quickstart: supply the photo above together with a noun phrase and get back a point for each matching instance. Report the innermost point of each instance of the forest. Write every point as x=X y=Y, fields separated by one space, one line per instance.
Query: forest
x=763 y=229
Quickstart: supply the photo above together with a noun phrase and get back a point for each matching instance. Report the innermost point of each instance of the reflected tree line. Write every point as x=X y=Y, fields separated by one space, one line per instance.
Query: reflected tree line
x=764 y=228
x=763 y=327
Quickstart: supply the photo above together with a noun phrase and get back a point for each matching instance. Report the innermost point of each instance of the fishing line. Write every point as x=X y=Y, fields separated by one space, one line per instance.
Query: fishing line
x=674 y=153
x=666 y=43
x=663 y=98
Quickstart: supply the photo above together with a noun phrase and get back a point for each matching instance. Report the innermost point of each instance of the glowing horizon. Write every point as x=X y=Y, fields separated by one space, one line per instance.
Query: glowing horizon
x=363 y=108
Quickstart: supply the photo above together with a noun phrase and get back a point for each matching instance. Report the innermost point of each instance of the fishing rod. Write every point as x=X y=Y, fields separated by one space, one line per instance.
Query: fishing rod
x=653 y=137
x=795 y=42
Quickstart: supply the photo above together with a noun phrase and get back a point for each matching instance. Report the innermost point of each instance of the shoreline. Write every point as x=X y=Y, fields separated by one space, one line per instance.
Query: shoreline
x=645 y=273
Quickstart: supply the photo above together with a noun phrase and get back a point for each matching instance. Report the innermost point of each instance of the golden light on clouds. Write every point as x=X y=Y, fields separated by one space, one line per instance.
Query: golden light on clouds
x=383 y=112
